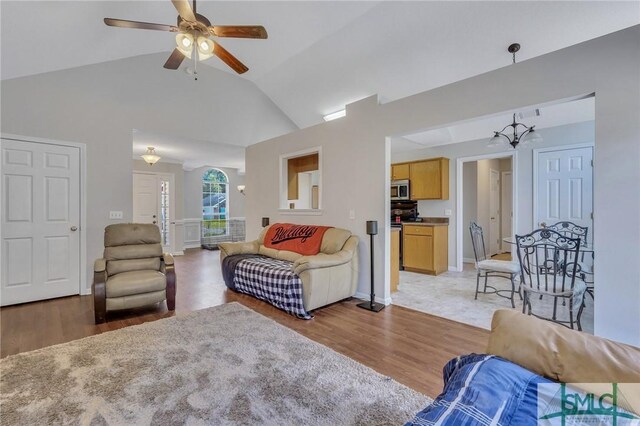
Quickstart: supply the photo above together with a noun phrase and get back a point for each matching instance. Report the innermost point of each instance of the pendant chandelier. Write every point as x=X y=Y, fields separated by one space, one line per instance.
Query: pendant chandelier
x=150 y=157
x=500 y=139
x=528 y=133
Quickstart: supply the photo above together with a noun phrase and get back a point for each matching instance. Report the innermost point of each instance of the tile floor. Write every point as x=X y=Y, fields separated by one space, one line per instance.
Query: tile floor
x=450 y=295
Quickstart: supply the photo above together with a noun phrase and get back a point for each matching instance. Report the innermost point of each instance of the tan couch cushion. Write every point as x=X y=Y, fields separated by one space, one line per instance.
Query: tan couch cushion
x=564 y=355
x=119 y=266
x=122 y=234
x=133 y=251
x=135 y=282
x=289 y=256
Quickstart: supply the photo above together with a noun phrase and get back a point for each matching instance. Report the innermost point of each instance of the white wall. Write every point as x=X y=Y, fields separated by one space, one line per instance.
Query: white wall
x=483 y=206
x=356 y=158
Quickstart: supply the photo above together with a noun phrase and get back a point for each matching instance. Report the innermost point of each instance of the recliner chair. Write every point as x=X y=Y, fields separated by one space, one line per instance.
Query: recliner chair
x=133 y=272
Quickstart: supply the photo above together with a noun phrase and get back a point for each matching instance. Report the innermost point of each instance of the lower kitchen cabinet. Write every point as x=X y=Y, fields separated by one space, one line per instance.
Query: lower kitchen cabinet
x=425 y=248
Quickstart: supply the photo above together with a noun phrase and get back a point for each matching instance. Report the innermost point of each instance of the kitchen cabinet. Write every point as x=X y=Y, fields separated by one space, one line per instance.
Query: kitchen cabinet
x=429 y=179
x=425 y=248
x=400 y=171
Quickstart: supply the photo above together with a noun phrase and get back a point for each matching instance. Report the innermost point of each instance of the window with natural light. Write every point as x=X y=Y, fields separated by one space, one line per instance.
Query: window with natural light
x=215 y=195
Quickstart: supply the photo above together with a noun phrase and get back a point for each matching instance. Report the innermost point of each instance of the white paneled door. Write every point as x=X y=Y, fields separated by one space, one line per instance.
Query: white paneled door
x=153 y=203
x=565 y=187
x=40 y=221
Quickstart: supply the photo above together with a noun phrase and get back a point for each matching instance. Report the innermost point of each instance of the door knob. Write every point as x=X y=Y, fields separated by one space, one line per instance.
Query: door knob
x=154 y=222
x=74 y=228
x=154 y=216
x=543 y=224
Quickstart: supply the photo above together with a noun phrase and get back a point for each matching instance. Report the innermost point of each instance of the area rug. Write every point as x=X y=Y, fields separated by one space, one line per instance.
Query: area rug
x=223 y=365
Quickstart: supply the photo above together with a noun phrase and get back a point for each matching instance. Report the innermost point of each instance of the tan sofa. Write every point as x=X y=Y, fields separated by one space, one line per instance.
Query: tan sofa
x=327 y=277
x=588 y=362
x=133 y=272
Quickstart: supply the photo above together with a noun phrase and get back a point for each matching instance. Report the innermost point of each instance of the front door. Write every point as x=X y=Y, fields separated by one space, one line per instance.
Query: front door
x=565 y=187
x=153 y=203
x=40 y=230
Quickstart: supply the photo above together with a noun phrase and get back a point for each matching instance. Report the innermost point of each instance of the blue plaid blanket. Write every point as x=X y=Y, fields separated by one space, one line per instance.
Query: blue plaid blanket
x=489 y=390
x=273 y=281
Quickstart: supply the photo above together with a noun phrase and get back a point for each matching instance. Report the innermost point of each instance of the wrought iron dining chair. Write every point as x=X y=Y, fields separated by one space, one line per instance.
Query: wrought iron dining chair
x=572 y=230
x=492 y=268
x=549 y=267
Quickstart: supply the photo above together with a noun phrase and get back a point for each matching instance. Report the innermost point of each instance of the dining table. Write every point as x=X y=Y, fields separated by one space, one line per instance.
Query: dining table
x=584 y=247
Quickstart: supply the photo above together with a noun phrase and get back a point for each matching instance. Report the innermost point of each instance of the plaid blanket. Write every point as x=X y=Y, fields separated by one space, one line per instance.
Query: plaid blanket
x=273 y=281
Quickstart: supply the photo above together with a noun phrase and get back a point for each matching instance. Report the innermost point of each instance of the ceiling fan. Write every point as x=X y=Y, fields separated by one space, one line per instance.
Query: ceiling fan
x=194 y=36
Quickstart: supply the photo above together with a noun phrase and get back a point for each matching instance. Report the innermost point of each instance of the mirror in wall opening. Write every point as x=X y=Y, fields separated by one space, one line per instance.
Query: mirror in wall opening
x=215 y=191
x=300 y=180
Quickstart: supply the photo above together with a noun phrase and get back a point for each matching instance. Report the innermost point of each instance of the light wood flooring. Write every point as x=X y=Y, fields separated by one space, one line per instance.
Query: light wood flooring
x=407 y=345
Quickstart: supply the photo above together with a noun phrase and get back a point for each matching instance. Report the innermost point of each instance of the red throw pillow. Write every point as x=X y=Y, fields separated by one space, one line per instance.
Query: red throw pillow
x=302 y=239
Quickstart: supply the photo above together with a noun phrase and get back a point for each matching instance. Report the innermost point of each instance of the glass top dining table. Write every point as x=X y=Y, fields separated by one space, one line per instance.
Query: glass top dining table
x=586 y=248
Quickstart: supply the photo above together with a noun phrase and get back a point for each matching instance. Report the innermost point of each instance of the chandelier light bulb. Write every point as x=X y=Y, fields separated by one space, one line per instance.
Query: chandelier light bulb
x=186 y=42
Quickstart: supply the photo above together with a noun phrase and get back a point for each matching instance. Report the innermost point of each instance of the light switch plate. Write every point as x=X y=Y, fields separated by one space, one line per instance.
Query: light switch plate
x=448 y=212
x=352 y=214
x=115 y=215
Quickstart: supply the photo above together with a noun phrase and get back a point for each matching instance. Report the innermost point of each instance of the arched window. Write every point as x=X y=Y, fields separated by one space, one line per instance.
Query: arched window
x=215 y=194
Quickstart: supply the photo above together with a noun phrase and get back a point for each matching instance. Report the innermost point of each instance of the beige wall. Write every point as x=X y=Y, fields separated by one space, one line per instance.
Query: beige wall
x=357 y=158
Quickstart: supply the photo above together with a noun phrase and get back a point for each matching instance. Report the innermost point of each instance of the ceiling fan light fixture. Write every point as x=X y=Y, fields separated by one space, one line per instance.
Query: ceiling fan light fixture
x=205 y=48
x=184 y=43
x=150 y=157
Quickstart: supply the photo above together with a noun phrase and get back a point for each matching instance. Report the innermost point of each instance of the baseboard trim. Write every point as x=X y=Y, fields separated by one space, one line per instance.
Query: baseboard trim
x=454 y=269
x=468 y=260
x=191 y=245
x=367 y=296
x=178 y=253
x=85 y=291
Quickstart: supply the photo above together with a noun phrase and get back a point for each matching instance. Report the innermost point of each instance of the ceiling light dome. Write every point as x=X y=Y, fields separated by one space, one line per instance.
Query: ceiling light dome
x=150 y=157
x=205 y=48
x=184 y=43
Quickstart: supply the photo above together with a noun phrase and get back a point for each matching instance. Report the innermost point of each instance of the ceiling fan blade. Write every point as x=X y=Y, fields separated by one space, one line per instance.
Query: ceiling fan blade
x=174 y=60
x=229 y=59
x=239 y=31
x=123 y=23
x=184 y=10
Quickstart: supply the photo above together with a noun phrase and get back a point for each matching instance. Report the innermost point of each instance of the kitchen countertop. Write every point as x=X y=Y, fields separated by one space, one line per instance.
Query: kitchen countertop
x=425 y=223
x=430 y=221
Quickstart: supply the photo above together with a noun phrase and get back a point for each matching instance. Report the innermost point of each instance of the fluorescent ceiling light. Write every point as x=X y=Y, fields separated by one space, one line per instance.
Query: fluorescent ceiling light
x=334 y=115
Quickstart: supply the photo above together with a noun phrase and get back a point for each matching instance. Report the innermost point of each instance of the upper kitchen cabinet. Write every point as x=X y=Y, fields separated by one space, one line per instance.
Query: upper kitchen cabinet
x=429 y=179
x=400 y=171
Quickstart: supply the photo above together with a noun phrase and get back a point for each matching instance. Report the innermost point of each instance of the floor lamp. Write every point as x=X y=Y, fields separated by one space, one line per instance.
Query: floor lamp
x=372 y=229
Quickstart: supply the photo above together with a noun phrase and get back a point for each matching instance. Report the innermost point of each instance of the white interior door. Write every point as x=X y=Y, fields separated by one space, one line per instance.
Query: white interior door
x=494 y=212
x=153 y=203
x=565 y=187
x=506 y=210
x=145 y=198
x=40 y=221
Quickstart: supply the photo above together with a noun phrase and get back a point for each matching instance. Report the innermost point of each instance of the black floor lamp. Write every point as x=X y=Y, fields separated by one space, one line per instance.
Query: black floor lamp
x=372 y=229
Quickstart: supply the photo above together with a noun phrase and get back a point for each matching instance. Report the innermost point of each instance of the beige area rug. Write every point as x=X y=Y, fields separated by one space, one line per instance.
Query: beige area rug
x=450 y=295
x=223 y=365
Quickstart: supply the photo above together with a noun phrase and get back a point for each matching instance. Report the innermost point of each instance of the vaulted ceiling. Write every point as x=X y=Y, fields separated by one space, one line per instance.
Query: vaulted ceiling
x=320 y=55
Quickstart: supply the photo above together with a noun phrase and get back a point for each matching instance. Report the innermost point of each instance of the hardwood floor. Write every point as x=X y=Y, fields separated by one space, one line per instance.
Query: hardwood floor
x=409 y=346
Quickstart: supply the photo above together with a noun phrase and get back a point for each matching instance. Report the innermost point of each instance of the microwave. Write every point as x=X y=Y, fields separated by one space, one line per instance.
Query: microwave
x=400 y=190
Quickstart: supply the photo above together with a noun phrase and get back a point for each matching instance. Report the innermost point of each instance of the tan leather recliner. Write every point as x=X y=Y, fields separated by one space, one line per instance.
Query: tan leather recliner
x=133 y=272
x=327 y=277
